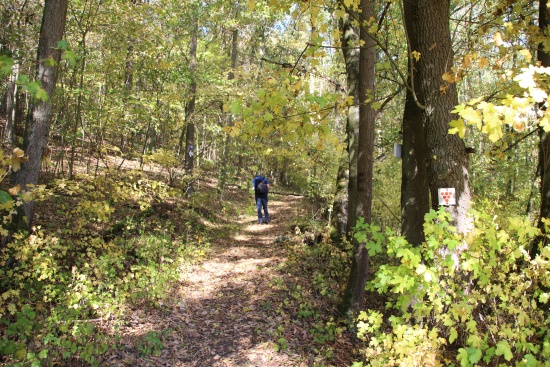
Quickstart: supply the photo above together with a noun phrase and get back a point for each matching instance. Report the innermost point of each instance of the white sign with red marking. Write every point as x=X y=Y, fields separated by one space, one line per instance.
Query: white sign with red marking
x=446 y=196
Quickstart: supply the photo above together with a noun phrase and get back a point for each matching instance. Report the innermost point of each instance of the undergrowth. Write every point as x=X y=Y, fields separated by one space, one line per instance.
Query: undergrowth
x=311 y=281
x=474 y=300
x=109 y=242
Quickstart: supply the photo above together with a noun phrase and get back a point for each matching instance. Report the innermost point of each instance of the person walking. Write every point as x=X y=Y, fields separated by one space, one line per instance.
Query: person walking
x=261 y=189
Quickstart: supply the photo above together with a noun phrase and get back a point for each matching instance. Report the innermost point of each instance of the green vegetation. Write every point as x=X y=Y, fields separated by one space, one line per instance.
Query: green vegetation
x=130 y=133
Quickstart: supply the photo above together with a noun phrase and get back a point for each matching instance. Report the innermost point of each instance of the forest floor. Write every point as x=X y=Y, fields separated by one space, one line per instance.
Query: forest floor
x=232 y=309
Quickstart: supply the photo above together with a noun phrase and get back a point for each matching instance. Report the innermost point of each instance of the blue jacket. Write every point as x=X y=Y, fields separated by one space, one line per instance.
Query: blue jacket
x=255 y=182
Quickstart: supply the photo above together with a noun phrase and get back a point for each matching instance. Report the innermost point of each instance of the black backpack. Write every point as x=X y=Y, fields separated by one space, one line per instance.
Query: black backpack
x=261 y=188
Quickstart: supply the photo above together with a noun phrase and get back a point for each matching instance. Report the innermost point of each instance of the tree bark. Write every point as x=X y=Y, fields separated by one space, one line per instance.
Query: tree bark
x=190 y=109
x=544 y=148
x=338 y=219
x=427 y=23
x=350 y=35
x=11 y=106
x=227 y=145
x=51 y=32
x=415 y=191
x=354 y=297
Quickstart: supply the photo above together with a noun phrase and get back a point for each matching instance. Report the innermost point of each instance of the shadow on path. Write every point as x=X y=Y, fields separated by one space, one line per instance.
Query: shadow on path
x=226 y=309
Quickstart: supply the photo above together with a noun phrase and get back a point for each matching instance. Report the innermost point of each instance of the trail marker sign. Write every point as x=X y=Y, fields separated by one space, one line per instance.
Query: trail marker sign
x=446 y=196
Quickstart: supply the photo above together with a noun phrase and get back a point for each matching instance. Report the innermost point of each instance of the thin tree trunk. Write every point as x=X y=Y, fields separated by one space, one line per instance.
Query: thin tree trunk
x=51 y=32
x=227 y=145
x=350 y=35
x=190 y=148
x=544 y=149
x=354 y=298
x=78 y=115
x=11 y=107
x=339 y=215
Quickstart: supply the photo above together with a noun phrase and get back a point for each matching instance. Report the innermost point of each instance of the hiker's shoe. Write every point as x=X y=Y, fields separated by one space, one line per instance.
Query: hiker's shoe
x=259 y=221
x=266 y=221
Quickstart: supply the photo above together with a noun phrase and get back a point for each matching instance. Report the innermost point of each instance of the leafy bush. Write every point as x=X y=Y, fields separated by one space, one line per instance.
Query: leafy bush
x=455 y=300
x=106 y=252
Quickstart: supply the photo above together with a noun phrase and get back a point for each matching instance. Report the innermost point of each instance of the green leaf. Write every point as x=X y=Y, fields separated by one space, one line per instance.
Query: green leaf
x=530 y=360
x=5 y=197
x=463 y=357
x=236 y=107
x=374 y=248
x=62 y=45
x=503 y=348
x=70 y=56
x=474 y=355
x=6 y=64
x=453 y=335
x=50 y=62
x=41 y=95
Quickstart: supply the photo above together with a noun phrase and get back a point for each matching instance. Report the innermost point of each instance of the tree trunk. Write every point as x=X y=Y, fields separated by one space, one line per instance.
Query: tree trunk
x=51 y=32
x=350 y=35
x=427 y=22
x=338 y=219
x=11 y=106
x=190 y=110
x=415 y=192
x=354 y=298
x=227 y=146
x=544 y=149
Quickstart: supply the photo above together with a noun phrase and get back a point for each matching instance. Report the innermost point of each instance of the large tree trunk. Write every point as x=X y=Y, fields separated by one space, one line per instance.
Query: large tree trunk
x=51 y=32
x=415 y=192
x=354 y=297
x=544 y=149
x=427 y=23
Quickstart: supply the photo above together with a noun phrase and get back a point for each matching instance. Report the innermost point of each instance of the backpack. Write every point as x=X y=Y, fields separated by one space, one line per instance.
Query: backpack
x=261 y=188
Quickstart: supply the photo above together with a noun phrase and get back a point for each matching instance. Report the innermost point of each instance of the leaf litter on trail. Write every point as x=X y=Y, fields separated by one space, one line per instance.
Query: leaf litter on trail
x=233 y=309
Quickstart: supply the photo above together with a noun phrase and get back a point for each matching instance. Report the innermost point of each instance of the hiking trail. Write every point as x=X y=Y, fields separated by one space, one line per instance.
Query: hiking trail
x=224 y=309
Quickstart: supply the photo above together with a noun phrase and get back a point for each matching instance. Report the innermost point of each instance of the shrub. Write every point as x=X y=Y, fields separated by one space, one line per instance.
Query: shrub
x=481 y=306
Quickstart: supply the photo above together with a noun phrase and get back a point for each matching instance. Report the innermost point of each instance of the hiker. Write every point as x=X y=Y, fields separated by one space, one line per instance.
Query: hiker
x=261 y=189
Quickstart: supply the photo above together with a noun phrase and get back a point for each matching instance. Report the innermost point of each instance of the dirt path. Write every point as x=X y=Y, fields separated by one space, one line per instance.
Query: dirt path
x=226 y=313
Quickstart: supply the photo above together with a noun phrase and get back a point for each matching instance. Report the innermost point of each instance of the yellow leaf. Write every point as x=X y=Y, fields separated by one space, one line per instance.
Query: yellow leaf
x=349 y=3
x=17 y=157
x=497 y=39
x=416 y=55
x=18 y=153
x=448 y=77
x=471 y=116
x=527 y=54
x=15 y=165
x=15 y=190
x=483 y=62
x=457 y=126
x=467 y=62
x=348 y=101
